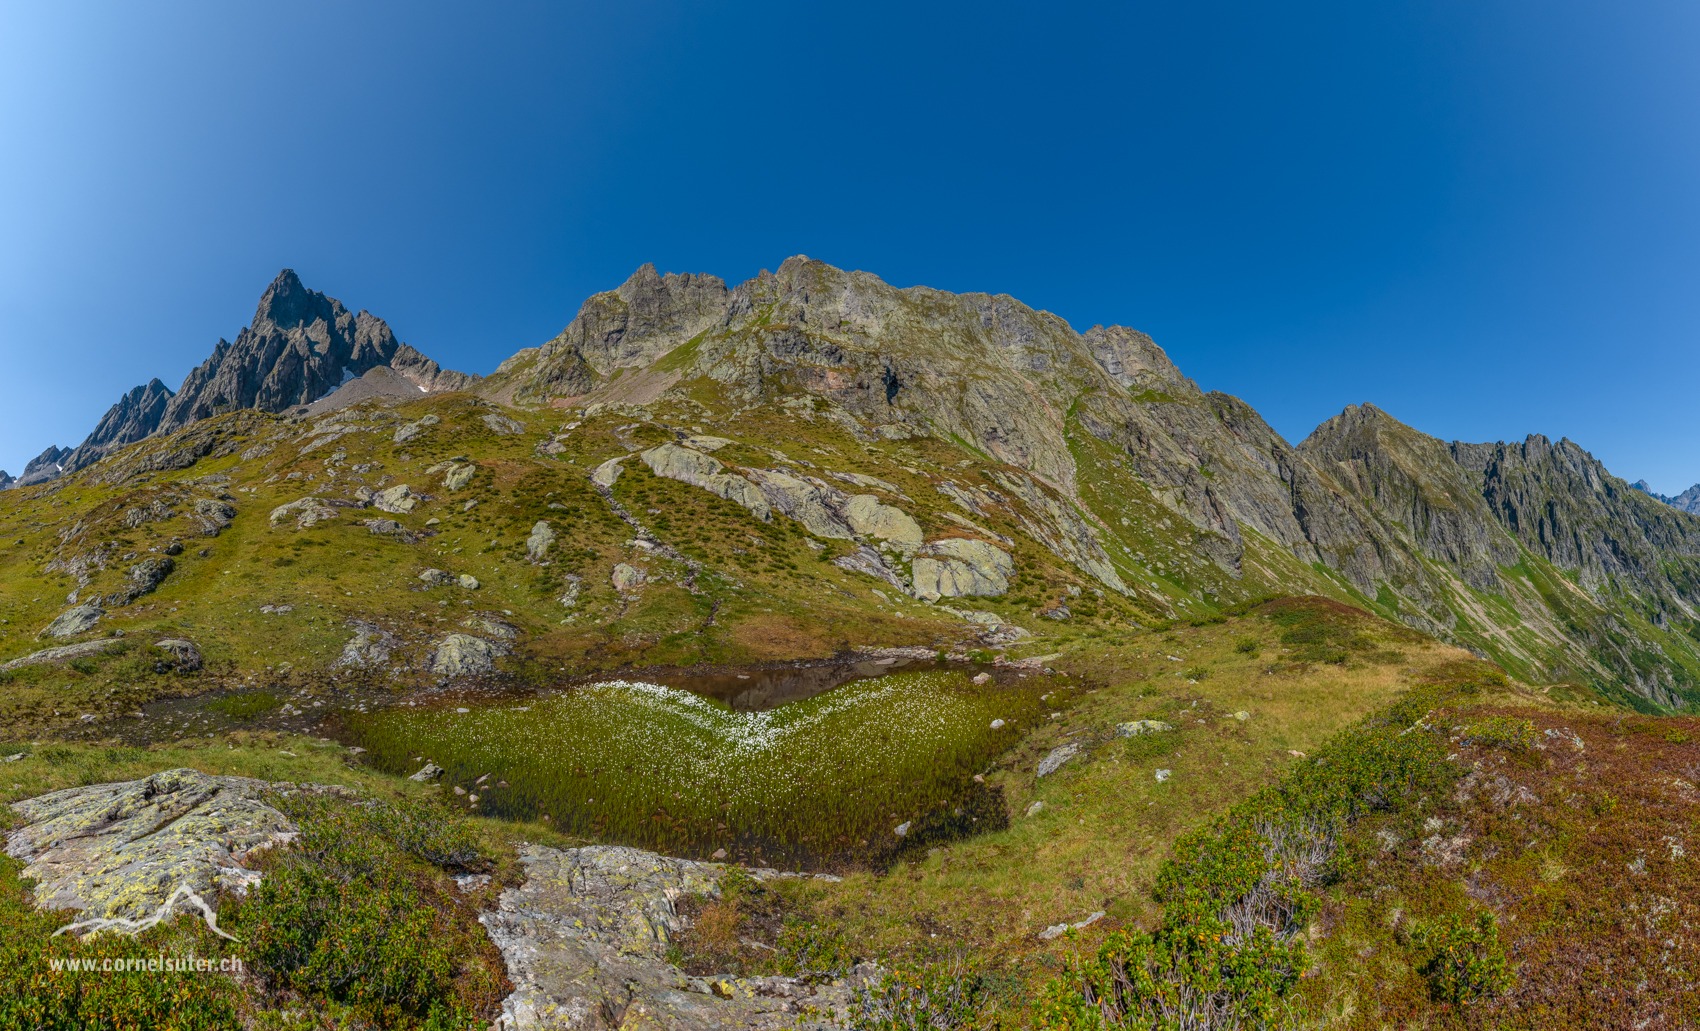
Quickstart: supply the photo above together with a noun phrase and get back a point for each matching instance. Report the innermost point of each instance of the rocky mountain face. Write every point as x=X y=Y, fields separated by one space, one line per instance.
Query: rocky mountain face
x=1530 y=552
x=300 y=347
x=1687 y=501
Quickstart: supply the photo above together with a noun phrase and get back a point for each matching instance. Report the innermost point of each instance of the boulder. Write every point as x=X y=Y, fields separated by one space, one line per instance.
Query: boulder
x=436 y=576
x=306 y=512
x=427 y=773
x=959 y=567
x=538 y=544
x=459 y=476
x=184 y=654
x=868 y=516
x=688 y=466
x=72 y=622
x=585 y=939
x=869 y=562
x=501 y=425
x=381 y=525
x=627 y=577
x=121 y=850
x=369 y=647
x=1138 y=727
x=462 y=655
x=609 y=471
x=397 y=499
x=468 y=581
x=213 y=515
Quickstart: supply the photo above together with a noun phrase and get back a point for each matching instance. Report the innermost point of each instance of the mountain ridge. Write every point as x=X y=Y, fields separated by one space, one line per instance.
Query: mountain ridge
x=1094 y=447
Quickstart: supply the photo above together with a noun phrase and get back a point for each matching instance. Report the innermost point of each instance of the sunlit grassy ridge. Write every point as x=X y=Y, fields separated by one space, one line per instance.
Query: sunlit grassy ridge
x=660 y=768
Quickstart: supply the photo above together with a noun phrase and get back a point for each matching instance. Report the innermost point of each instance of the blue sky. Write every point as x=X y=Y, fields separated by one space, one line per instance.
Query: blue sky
x=1480 y=216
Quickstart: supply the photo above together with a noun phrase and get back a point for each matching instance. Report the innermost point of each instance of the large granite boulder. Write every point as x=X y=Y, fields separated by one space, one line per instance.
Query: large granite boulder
x=463 y=655
x=74 y=621
x=690 y=466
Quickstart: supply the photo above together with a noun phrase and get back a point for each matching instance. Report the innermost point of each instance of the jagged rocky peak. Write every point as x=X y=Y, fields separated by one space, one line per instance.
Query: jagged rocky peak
x=1688 y=501
x=301 y=347
x=6 y=479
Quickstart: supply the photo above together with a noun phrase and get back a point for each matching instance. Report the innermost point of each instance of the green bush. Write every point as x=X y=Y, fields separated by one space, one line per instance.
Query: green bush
x=1468 y=963
x=1247 y=646
x=350 y=914
x=1501 y=732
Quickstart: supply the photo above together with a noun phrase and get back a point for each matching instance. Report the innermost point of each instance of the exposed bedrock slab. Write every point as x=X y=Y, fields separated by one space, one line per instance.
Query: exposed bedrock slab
x=585 y=940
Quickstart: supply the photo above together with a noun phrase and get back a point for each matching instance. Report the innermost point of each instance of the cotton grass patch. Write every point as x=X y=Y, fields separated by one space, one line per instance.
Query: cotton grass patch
x=664 y=769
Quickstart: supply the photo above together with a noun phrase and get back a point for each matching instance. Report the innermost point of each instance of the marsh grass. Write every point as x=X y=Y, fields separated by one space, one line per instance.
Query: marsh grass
x=659 y=768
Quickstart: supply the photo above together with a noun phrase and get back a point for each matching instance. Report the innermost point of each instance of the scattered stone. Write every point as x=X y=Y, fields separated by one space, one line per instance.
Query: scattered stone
x=276 y=608
x=902 y=829
x=1242 y=715
x=436 y=576
x=1035 y=807
x=997 y=724
x=981 y=678
x=307 y=512
x=627 y=577
x=74 y=621
x=1053 y=931
x=1163 y=775
x=1138 y=727
x=719 y=853
x=382 y=525
x=430 y=772
x=1059 y=755
x=468 y=581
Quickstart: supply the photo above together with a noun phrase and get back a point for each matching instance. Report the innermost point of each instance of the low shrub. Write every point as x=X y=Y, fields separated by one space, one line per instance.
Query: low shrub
x=1468 y=963
x=931 y=998
x=1506 y=732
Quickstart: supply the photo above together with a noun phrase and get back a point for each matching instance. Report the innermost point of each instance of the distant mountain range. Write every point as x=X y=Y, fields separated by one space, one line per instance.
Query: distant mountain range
x=300 y=347
x=1688 y=500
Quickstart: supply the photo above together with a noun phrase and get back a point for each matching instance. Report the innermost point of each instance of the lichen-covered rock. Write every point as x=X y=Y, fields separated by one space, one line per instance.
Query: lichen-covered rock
x=958 y=568
x=693 y=467
x=397 y=499
x=462 y=655
x=74 y=621
x=436 y=576
x=306 y=511
x=185 y=655
x=585 y=940
x=538 y=544
x=627 y=577
x=213 y=515
x=814 y=505
x=868 y=516
x=492 y=626
x=502 y=425
x=467 y=581
x=608 y=472
x=63 y=653
x=369 y=647
x=459 y=476
x=869 y=562
x=120 y=850
x=1135 y=728
x=1058 y=755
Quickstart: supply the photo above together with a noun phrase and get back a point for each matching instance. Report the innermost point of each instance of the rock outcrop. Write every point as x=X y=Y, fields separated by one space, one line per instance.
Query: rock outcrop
x=585 y=940
x=121 y=850
x=959 y=567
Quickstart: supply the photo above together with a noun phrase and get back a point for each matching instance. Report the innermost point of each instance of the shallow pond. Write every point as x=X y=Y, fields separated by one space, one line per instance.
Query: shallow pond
x=821 y=779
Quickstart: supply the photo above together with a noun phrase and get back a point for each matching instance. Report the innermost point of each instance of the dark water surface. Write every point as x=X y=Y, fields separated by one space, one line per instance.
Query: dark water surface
x=759 y=690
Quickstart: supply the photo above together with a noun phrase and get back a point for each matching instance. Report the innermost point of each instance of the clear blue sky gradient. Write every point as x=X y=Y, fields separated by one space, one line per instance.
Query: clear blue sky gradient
x=1481 y=216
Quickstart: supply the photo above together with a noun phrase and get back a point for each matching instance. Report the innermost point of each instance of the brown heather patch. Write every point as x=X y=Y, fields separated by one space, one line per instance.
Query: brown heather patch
x=1586 y=856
